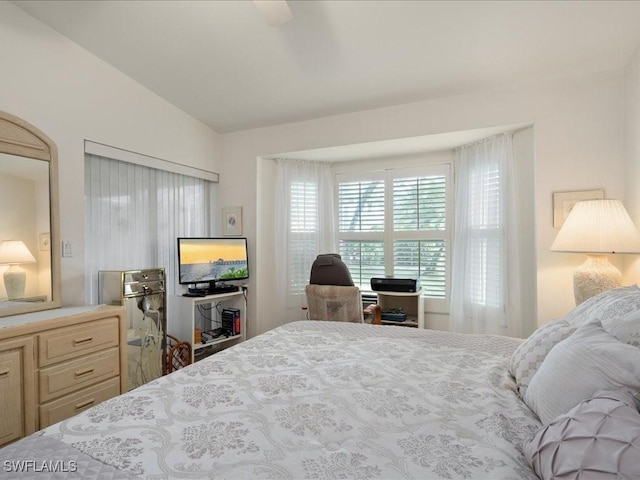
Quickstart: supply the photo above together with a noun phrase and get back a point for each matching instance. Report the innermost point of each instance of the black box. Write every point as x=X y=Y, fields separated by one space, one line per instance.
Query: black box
x=395 y=284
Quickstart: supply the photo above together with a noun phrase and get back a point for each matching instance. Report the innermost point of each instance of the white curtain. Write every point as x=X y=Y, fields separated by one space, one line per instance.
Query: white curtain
x=305 y=225
x=134 y=215
x=485 y=281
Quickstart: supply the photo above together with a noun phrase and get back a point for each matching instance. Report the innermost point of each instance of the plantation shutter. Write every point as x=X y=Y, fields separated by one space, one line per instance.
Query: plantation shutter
x=361 y=217
x=396 y=222
x=420 y=205
x=303 y=227
x=484 y=232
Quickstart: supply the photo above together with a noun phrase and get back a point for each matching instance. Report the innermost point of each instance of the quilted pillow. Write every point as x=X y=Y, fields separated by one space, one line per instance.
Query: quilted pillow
x=598 y=439
x=576 y=368
x=529 y=355
x=608 y=306
x=626 y=328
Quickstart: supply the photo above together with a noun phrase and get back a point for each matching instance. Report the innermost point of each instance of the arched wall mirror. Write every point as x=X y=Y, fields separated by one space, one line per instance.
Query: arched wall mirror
x=29 y=225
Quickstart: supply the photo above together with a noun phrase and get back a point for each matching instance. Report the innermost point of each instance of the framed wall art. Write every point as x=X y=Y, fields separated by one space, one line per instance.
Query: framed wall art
x=232 y=221
x=563 y=202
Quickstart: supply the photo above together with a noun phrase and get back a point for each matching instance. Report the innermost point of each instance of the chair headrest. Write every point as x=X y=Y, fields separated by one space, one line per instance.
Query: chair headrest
x=325 y=259
x=329 y=269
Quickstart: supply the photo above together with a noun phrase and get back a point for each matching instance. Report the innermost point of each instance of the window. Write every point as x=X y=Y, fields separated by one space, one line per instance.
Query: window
x=396 y=222
x=135 y=213
x=361 y=218
x=303 y=227
x=485 y=294
x=485 y=236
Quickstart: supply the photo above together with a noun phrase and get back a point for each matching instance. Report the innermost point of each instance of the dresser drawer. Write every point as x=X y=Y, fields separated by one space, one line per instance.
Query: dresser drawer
x=70 y=376
x=71 y=342
x=11 y=425
x=70 y=405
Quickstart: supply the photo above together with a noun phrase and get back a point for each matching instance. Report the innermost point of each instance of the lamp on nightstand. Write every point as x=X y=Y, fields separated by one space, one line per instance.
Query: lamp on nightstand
x=14 y=253
x=597 y=228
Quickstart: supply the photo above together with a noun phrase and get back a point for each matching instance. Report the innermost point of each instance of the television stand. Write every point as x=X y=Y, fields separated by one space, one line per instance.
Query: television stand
x=185 y=315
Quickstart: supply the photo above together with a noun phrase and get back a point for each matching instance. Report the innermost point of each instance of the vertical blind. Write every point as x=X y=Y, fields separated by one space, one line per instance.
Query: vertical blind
x=134 y=215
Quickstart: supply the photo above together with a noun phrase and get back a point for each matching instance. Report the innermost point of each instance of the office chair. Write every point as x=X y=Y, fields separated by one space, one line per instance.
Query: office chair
x=331 y=294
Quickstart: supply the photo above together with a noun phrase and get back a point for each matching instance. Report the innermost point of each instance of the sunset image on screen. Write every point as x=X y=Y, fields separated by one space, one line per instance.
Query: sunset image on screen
x=200 y=251
x=212 y=259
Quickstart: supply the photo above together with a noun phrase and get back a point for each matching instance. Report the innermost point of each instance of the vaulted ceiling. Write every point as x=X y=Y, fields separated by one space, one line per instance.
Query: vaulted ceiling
x=220 y=62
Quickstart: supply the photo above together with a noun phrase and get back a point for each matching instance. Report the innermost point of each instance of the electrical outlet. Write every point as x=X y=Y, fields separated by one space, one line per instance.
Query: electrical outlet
x=66 y=249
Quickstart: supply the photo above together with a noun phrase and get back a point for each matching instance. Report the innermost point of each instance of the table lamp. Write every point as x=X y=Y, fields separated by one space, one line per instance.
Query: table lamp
x=597 y=228
x=14 y=253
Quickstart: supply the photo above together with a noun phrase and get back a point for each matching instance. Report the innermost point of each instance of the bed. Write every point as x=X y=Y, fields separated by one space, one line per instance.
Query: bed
x=315 y=400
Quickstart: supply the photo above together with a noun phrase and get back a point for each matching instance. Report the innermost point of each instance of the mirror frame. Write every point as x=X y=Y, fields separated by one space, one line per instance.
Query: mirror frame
x=20 y=138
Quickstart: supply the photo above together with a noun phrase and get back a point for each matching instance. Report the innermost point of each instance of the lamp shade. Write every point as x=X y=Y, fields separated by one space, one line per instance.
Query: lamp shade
x=598 y=226
x=14 y=252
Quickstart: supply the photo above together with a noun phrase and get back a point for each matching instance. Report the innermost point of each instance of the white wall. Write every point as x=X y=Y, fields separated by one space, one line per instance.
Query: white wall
x=524 y=175
x=578 y=144
x=632 y=157
x=71 y=96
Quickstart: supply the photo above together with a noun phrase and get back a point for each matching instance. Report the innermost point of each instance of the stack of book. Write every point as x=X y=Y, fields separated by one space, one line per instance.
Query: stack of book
x=231 y=321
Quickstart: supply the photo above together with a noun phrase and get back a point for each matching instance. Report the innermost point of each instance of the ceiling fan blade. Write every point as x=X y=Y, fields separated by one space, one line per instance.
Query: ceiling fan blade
x=274 y=12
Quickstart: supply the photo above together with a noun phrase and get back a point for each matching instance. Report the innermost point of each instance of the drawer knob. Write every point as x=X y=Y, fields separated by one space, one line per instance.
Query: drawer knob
x=85 y=404
x=84 y=372
x=4 y=373
x=82 y=341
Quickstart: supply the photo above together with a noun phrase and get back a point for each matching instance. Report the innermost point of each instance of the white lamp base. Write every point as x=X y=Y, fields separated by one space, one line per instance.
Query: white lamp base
x=594 y=276
x=14 y=281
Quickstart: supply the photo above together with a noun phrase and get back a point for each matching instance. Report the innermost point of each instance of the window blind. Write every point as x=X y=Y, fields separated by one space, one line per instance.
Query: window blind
x=134 y=215
x=364 y=259
x=361 y=206
x=485 y=235
x=419 y=203
x=396 y=222
x=426 y=259
x=303 y=225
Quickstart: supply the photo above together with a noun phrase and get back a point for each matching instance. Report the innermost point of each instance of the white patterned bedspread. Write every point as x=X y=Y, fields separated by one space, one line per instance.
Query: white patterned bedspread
x=321 y=400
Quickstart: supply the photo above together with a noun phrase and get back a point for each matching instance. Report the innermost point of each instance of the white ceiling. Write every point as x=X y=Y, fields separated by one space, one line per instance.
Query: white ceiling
x=218 y=60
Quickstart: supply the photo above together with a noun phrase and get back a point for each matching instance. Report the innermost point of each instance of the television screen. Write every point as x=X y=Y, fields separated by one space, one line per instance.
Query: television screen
x=212 y=260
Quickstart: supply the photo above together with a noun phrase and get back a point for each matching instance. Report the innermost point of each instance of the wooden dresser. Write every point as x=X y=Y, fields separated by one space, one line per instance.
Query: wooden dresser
x=56 y=363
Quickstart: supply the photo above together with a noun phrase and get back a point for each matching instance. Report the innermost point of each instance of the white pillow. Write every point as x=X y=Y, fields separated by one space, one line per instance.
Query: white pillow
x=530 y=354
x=576 y=368
x=608 y=306
x=626 y=328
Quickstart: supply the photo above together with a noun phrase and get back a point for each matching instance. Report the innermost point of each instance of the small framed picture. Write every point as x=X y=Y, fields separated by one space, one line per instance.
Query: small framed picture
x=45 y=241
x=232 y=221
x=563 y=202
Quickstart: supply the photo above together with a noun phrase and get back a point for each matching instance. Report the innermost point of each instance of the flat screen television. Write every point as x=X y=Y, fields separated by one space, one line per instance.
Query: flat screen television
x=212 y=260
